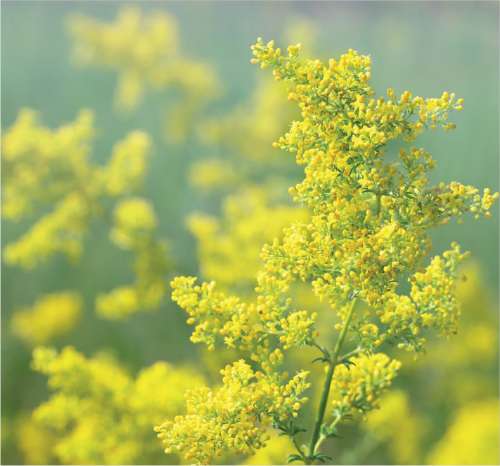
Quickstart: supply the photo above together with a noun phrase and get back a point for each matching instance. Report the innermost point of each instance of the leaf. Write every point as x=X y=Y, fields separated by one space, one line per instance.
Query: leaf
x=322 y=457
x=327 y=431
x=320 y=359
x=347 y=363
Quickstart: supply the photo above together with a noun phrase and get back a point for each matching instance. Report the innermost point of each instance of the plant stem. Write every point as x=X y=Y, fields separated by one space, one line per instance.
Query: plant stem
x=322 y=437
x=328 y=381
x=297 y=447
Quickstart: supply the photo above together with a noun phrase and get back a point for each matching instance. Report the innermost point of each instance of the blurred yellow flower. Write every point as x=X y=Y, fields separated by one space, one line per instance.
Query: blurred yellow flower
x=472 y=437
x=249 y=220
x=34 y=441
x=51 y=316
x=134 y=229
x=101 y=415
x=144 y=50
x=52 y=168
x=400 y=428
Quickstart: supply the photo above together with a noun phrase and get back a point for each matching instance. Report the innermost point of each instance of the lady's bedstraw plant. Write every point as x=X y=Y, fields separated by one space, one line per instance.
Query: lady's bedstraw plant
x=99 y=413
x=368 y=229
x=44 y=168
x=144 y=50
x=256 y=176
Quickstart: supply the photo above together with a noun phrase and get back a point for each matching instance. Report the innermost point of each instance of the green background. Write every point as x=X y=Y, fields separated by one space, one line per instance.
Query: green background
x=423 y=47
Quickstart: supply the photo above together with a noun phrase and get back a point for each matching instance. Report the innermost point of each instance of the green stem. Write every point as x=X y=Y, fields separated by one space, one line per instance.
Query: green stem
x=322 y=438
x=328 y=382
x=349 y=355
x=297 y=447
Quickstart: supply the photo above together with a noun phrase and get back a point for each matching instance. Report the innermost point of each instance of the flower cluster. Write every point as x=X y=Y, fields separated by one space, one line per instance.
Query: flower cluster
x=465 y=444
x=367 y=229
x=256 y=328
x=430 y=304
x=99 y=414
x=359 y=386
x=249 y=219
x=370 y=217
x=397 y=425
x=33 y=440
x=52 y=315
x=45 y=167
x=39 y=165
x=127 y=167
x=59 y=232
x=134 y=229
x=234 y=417
x=144 y=51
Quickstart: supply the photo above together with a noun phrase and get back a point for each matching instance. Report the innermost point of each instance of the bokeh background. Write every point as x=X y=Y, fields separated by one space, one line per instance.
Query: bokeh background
x=425 y=47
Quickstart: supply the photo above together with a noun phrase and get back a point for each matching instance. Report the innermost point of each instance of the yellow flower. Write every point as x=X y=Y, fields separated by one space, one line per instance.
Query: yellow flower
x=134 y=219
x=143 y=49
x=34 y=441
x=464 y=444
x=126 y=169
x=60 y=231
x=367 y=226
x=134 y=229
x=397 y=426
x=359 y=386
x=50 y=316
x=98 y=413
x=40 y=166
x=233 y=417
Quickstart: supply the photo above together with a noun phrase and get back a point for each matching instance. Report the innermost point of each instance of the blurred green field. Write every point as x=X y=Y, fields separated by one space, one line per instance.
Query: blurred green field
x=426 y=47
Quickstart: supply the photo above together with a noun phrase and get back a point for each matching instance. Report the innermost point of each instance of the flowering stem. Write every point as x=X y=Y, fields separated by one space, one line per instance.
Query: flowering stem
x=322 y=438
x=298 y=448
x=328 y=382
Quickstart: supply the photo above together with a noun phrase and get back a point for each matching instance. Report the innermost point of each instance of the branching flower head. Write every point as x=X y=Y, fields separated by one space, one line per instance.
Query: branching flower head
x=98 y=413
x=234 y=417
x=367 y=230
x=144 y=50
x=134 y=229
x=358 y=387
x=46 y=167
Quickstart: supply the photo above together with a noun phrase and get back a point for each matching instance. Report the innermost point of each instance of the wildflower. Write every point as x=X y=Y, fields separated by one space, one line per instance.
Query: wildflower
x=52 y=167
x=134 y=229
x=367 y=228
x=233 y=417
x=144 y=51
x=461 y=444
x=51 y=316
x=98 y=413
x=359 y=386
